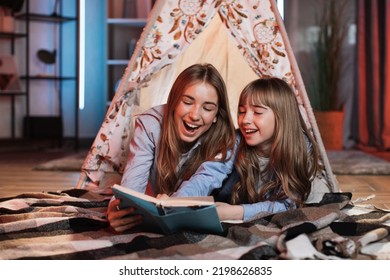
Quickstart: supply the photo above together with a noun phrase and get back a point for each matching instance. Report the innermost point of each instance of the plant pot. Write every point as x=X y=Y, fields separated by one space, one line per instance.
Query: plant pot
x=330 y=125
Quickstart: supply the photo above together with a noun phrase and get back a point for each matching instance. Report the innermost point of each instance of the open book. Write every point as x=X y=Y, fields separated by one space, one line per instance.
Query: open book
x=172 y=214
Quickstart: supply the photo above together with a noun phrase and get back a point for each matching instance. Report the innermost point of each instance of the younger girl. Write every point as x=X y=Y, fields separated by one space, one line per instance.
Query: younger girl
x=278 y=160
x=182 y=148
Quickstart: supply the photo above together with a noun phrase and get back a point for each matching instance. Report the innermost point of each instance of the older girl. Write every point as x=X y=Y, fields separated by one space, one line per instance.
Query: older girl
x=182 y=148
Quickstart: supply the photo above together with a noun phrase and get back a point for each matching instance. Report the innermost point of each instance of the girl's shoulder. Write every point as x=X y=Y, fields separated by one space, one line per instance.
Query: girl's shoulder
x=152 y=117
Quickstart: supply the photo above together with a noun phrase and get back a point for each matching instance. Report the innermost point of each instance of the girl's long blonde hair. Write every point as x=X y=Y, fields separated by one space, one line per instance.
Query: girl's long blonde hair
x=292 y=166
x=219 y=139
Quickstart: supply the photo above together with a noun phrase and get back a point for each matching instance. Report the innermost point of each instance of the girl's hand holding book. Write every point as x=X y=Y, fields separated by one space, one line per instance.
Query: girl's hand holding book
x=122 y=219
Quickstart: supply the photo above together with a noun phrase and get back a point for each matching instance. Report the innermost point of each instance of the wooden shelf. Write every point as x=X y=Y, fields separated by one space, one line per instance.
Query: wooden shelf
x=48 y=78
x=45 y=18
x=12 y=93
x=134 y=22
x=28 y=20
x=11 y=35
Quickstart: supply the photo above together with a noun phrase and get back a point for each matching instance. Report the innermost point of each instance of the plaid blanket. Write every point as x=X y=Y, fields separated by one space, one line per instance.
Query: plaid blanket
x=72 y=225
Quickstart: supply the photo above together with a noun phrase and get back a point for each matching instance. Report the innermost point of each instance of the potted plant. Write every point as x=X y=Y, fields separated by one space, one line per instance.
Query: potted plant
x=327 y=56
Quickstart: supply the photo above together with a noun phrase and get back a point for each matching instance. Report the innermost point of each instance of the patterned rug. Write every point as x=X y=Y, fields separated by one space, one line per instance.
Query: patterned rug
x=72 y=225
x=348 y=162
x=72 y=162
x=353 y=162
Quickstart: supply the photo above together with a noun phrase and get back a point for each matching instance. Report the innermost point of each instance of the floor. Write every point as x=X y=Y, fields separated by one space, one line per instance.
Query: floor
x=16 y=168
x=17 y=176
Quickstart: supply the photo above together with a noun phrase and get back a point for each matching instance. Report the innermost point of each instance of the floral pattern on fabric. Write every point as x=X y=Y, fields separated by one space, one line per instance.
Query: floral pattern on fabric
x=253 y=26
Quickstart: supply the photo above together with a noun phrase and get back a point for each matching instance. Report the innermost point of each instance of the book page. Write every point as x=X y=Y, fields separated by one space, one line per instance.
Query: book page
x=172 y=214
x=170 y=201
x=232 y=221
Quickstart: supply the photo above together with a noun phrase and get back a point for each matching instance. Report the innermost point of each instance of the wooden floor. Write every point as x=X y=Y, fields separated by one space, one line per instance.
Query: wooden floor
x=17 y=176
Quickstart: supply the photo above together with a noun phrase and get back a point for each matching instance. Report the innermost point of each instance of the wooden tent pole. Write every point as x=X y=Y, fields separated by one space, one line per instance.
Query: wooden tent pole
x=303 y=94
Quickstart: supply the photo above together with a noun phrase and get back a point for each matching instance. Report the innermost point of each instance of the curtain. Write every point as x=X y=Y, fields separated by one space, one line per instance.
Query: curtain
x=372 y=105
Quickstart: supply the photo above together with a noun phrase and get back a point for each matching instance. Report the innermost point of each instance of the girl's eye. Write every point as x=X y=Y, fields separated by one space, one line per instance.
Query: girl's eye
x=209 y=109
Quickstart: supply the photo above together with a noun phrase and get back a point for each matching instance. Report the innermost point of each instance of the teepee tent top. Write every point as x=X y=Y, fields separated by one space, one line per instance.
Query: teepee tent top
x=243 y=39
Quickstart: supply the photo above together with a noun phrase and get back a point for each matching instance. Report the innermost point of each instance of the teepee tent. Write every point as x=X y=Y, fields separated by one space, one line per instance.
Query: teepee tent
x=243 y=39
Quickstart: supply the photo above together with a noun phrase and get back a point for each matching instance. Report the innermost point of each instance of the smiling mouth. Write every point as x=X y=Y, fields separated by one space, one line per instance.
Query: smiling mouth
x=250 y=131
x=190 y=127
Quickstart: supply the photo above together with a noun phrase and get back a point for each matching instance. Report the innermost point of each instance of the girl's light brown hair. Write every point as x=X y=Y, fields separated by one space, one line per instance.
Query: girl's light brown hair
x=292 y=165
x=219 y=139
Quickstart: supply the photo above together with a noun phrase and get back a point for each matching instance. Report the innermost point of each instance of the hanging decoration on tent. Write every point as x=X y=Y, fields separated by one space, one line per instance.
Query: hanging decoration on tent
x=265 y=34
x=235 y=12
x=188 y=16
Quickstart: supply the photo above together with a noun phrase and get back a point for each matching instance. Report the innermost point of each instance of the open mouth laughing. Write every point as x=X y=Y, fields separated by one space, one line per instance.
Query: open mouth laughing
x=250 y=131
x=190 y=127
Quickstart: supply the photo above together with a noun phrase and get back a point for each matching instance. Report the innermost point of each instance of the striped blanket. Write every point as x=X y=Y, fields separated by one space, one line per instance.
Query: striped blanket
x=72 y=225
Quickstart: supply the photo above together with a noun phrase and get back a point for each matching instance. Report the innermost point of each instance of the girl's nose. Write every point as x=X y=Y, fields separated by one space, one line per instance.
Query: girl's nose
x=248 y=118
x=194 y=113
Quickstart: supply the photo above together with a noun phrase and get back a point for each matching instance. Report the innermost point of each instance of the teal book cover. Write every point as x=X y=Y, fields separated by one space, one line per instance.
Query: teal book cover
x=173 y=214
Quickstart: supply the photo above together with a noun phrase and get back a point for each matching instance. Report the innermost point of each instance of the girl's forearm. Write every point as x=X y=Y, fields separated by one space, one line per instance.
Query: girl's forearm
x=230 y=212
